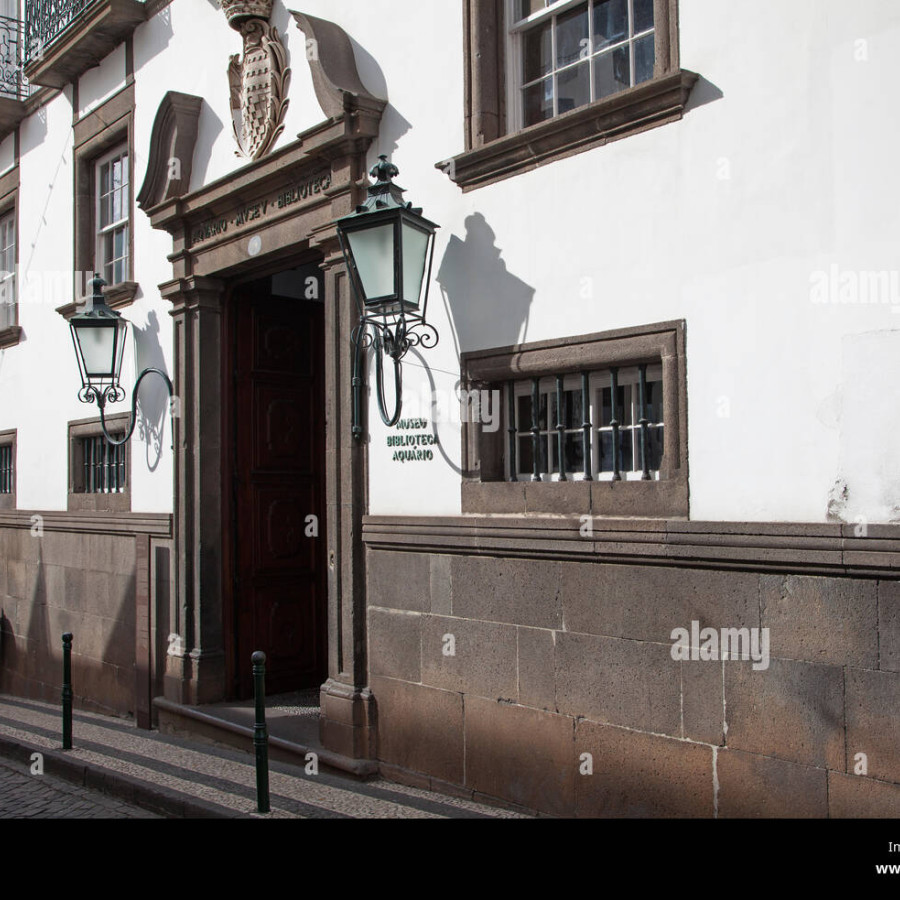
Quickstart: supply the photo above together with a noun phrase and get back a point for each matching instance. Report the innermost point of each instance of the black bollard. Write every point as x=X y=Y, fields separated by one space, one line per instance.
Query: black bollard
x=260 y=733
x=67 y=691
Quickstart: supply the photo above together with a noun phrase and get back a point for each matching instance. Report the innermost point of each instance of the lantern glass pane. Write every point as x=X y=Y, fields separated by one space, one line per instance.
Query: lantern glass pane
x=415 y=251
x=373 y=253
x=99 y=349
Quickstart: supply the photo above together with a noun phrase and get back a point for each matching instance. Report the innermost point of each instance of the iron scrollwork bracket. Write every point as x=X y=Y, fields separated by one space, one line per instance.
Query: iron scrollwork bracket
x=387 y=338
x=114 y=393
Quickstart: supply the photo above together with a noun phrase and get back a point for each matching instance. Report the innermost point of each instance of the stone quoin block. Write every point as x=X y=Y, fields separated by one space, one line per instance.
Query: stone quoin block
x=483 y=661
x=630 y=683
x=873 y=722
x=637 y=775
x=420 y=728
x=395 y=639
x=858 y=797
x=888 y=625
x=823 y=620
x=399 y=580
x=703 y=700
x=518 y=591
x=753 y=786
x=521 y=755
x=537 y=668
x=440 y=585
x=792 y=710
x=647 y=602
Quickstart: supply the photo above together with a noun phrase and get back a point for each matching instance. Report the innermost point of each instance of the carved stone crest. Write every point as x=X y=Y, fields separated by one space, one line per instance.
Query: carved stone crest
x=259 y=84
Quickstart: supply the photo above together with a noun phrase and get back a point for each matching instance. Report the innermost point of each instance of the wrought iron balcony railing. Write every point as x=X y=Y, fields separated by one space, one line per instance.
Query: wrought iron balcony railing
x=13 y=84
x=45 y=20
x=65 y=38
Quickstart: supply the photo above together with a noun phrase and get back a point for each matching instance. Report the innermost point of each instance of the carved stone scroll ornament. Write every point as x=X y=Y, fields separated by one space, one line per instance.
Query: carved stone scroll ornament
x=259 y=85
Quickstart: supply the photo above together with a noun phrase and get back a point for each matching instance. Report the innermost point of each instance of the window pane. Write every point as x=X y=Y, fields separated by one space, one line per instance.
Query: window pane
x=527 y=7
x=574 y=87
x=104 y=179
x=574 y=453
x=610 y=22
x=621 y=411
x=526 y=459
x=606 y=460
x=538 y=53
x=542 y=413
x=612 y=72
x=654 y=401
x=116 y=199
x=539 y=102
x=571 y=36
x=655 y=446
x=574 y=412
x=626 y=457
x=643 y=15
x=524 y=412
x=108 y=252
x=644 y=58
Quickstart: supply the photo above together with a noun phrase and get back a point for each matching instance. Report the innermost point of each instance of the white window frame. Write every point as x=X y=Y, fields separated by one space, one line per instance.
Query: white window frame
x=598 y=381
x=100 y=232
x=515 y=31
x=8 y=298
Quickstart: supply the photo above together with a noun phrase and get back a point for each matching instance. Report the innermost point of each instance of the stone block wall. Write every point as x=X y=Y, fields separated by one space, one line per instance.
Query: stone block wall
x=60 y=576
x=550 y=683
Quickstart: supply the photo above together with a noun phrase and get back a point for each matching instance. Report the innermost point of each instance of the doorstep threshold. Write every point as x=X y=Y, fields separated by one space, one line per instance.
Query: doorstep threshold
x=290 y=751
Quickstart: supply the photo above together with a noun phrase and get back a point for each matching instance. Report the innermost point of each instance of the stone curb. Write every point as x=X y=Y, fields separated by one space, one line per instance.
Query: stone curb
x=155 y=798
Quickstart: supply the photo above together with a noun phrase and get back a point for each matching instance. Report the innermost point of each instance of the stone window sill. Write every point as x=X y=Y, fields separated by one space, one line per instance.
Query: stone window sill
x=117 y=296
x=637 y=109
x=10 y=336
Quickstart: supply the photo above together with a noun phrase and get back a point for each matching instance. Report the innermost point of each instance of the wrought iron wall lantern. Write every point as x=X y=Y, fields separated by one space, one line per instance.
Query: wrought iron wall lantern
x=99 y=338
x=388 y=247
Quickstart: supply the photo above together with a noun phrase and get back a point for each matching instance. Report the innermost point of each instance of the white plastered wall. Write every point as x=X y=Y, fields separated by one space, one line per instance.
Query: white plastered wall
x=781 y=169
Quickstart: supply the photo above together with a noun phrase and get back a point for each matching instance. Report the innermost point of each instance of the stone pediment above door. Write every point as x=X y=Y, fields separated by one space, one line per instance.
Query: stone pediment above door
x=287 y=199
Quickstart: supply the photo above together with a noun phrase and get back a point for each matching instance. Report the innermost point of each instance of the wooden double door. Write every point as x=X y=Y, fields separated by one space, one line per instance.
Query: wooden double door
x=277 y=424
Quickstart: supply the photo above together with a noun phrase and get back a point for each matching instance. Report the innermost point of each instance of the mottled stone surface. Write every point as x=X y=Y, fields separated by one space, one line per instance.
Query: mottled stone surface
x=873 y=722
x=521 y=755
x=753 y=786
x=642 y=775
x=793 y=710
x=826 y=620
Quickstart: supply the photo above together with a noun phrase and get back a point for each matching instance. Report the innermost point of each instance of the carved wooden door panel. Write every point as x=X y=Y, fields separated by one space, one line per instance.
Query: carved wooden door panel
x=279 y=496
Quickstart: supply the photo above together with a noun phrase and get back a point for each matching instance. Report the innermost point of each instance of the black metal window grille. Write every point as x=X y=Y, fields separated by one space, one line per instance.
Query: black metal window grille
x=13 y=84
x=104 y=465
x=45 y=20
x=602 y=425
x=6 y=469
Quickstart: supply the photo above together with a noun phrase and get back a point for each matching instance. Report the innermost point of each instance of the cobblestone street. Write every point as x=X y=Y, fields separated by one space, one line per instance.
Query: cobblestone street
x=26 y=796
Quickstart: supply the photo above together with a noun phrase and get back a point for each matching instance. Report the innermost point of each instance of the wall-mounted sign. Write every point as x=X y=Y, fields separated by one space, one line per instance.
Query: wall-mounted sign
x=409 y=447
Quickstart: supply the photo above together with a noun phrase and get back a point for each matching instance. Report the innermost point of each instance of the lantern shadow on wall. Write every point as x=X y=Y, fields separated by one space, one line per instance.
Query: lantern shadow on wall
x=486 y=305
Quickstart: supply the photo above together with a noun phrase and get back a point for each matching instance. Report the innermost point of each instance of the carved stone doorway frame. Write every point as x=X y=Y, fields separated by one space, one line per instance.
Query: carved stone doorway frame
x=264 y=217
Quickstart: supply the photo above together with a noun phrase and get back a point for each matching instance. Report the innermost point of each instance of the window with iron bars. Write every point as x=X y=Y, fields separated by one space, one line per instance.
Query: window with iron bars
x=594 y=426
x=7 y=472
x=103 y=465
